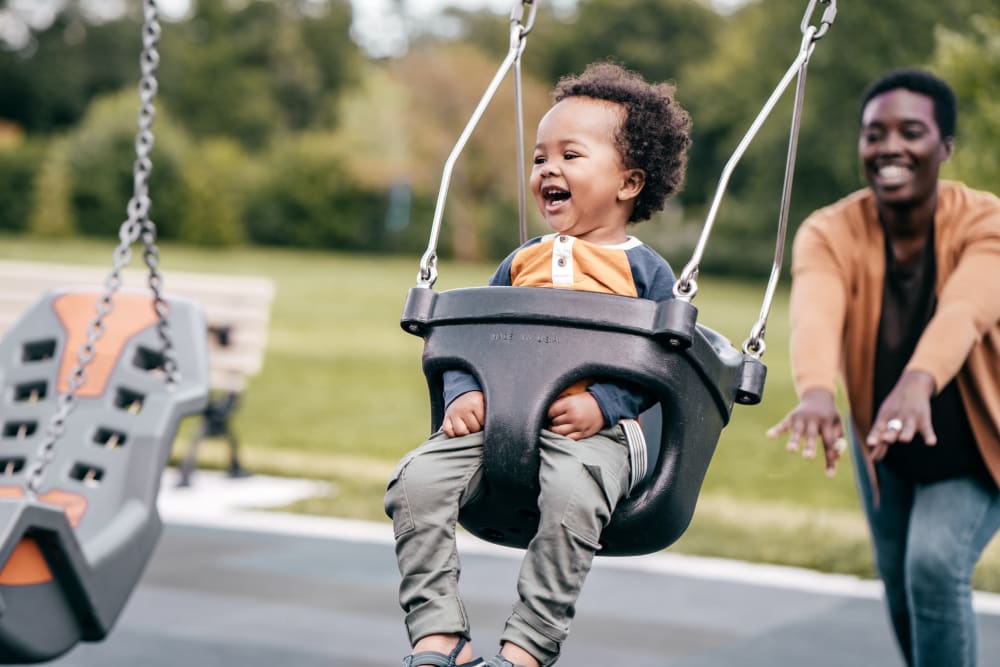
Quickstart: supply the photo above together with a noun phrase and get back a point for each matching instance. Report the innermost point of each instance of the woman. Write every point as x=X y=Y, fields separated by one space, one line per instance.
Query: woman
x=897 y=288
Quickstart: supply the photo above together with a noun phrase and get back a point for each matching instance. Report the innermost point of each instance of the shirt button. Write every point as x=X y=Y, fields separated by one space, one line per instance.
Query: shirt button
x=562 y=238
x=561 y=261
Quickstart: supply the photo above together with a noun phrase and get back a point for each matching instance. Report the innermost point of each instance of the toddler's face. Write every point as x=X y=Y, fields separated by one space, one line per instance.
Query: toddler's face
x=579 y=179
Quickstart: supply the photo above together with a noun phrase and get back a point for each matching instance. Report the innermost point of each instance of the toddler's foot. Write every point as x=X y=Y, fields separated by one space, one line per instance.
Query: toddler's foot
x=441 y=651
x=500 y=661
x=512 y=655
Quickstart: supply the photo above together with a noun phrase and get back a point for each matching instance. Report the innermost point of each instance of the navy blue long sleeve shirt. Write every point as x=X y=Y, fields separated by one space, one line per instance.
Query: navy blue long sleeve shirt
x=558 y=261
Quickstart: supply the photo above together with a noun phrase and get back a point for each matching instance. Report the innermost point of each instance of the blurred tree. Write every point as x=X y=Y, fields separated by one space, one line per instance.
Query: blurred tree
x=244 y=70
x=219 y=178
x=47 y=84
x=726 y=91
x=970 y=61
x=308 y=199
x=18 y=160
x=443 y=86
x=258 y=69
x=85 y=179
x=658 y=38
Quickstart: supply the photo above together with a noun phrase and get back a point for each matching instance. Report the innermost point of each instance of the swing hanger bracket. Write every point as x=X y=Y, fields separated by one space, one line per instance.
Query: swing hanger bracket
x=517 y=15
x=427 y=275
x=754 y=345
x=829 y=14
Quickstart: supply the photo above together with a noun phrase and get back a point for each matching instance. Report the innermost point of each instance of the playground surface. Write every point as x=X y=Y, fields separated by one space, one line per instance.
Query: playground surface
x=234 y=585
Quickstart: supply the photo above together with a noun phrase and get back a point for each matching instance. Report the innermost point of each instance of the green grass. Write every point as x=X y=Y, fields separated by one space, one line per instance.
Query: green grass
x=342 y=397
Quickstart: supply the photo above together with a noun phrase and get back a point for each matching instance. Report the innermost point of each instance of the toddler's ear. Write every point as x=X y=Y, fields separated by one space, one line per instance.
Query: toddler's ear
x=635 y=180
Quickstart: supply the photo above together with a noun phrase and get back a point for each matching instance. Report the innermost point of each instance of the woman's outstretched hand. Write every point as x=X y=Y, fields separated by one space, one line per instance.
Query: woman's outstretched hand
x=905 y=412
x=815 y=418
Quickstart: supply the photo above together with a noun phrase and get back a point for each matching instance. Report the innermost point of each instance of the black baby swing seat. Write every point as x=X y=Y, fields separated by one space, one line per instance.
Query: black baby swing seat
x=525 y=345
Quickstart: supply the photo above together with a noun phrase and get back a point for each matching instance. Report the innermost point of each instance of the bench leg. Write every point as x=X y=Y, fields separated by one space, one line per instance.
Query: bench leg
x=236 y=470
x=191 y=458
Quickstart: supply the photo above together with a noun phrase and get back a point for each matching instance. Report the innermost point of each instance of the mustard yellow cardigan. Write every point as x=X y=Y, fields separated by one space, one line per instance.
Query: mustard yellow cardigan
x=838 y=270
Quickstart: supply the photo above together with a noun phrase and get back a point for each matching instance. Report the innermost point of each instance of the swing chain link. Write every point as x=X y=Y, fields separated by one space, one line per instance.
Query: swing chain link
x=137 y=226
x=829 y=14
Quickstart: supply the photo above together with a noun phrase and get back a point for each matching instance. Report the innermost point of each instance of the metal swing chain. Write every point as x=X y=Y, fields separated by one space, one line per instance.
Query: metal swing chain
x=519 y=30
x=686 y=286
x=522 y=194
x=137 y=225
x=754 y=345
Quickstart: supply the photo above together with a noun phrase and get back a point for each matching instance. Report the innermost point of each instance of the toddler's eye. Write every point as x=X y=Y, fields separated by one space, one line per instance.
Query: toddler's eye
x=570 y=156
x=539 y=159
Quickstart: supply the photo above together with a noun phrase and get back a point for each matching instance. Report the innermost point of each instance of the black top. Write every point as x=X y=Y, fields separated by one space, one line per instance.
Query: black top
x=908 y=303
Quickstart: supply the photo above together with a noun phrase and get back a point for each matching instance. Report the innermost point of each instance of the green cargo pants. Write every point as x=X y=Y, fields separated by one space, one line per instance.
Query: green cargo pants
x=581 y=483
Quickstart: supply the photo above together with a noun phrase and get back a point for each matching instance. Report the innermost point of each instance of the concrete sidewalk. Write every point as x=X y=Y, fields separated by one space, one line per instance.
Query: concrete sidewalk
x=234 y=584
x=216 y=500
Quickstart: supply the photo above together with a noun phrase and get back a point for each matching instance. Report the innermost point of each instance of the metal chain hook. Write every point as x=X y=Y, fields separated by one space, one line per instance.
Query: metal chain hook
x=829 y=14
x=517 y=16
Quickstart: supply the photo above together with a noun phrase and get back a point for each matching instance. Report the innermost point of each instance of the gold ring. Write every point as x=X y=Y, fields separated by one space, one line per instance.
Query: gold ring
x=894 y=424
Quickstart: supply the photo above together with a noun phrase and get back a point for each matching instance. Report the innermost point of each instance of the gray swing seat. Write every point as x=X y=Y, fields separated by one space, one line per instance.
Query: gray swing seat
x=71 y=555
x=525 y=345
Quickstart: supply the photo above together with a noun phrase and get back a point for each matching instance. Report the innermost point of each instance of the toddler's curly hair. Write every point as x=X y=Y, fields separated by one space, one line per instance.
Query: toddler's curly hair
x=654 y=136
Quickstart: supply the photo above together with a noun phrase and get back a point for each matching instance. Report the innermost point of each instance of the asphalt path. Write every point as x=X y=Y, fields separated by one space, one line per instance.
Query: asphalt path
x=230 y=587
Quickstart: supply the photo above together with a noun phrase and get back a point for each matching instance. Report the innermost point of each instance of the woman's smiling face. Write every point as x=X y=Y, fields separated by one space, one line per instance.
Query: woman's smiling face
x=901 y=147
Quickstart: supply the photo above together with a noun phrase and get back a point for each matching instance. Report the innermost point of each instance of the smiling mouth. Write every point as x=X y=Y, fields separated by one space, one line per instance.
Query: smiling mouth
x=554 y=195
x=892 y=174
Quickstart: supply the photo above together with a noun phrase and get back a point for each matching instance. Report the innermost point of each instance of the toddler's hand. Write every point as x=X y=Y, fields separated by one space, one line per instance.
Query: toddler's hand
x=576 y=416
x=465 y=415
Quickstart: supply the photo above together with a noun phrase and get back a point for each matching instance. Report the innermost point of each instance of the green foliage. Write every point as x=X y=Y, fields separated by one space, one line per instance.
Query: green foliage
x=658 y=38
x=18 y=163
x=308 y=199
x=48 y=85
x=87 y=178
x=442 y=87
x=248 y=83
x=970 y=61
x=51 y=215
x=254 y=71
x=755 y=47
x=218 y=179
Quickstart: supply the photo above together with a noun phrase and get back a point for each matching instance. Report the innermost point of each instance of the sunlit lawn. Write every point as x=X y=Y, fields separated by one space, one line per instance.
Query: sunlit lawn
x=342 y=396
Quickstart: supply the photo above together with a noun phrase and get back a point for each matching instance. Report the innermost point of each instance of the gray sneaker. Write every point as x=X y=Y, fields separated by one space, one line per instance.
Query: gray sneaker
x=499 y=661
x=440 y=659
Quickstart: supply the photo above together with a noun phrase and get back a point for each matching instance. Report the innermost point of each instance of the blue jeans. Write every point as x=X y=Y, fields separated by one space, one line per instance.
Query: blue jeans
x=927 y=539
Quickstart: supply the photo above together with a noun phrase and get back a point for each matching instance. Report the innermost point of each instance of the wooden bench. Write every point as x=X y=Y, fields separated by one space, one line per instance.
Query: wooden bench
x=237 y=311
